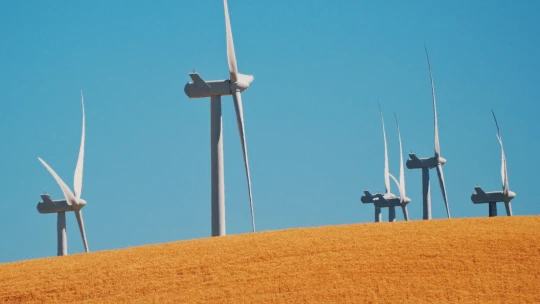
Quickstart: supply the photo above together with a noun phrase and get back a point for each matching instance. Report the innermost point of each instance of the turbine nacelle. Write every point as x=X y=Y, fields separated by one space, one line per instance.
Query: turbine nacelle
x=482 y=197
x=418 y=163
x=79 y=205
x=200 y=88
x=50 y=206
x=389 y=200
x=367 y=197
x=383 y=200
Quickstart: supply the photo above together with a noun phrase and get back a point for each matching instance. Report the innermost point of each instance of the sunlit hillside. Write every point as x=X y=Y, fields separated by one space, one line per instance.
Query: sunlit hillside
x=489 y=260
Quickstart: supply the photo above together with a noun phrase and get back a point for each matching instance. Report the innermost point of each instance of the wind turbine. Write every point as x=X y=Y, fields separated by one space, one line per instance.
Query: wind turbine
x=215 y=89
x=435 y=161
x=492 y=198
x=72 y=202
x=388 y=199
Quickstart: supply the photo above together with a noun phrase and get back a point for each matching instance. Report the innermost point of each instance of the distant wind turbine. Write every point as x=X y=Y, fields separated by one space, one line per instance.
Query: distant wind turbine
x=492 y=198
x=432 y=162
x=388 y=199
x=72 y=202
x=215 y=89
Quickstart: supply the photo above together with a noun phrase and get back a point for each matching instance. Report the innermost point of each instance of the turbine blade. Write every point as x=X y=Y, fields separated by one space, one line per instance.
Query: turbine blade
x=237 y=96
x=78 y=214
x=496 y=124
x=443 y=187
x=502 y=160
x=68 y=195
x=386 y=172
x=508 y=207
x=231 y=56
x=399 y=187
x=77 y=179
x=437 y=146
x=401 y=168
x=405 y=213
x=504 y=170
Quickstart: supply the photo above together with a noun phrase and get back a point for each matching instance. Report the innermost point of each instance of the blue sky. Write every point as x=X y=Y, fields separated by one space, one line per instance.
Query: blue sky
x=313 y=130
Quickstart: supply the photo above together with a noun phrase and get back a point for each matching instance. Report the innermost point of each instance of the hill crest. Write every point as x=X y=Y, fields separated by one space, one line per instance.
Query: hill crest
x=490 y=260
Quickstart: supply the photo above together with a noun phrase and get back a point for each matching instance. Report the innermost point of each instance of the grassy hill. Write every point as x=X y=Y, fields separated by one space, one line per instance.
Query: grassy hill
x=489 y=260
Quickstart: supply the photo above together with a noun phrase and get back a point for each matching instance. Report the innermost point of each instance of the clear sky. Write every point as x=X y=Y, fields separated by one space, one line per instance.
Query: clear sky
x=312 y=124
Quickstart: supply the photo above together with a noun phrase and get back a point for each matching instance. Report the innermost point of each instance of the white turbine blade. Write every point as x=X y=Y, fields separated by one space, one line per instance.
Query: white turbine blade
x=231 y=56
x=401 y=194
x=437 y=146
x=237 y=96
x=508 y=206
x=78 y=177
x=504 y=170
x=70 y=198
x=395 y=179
x=496 y=124
x=443 y=188
x=405 y=213
x=78 y=214
x=401 y=168
x=386 y=172
x=506 y=185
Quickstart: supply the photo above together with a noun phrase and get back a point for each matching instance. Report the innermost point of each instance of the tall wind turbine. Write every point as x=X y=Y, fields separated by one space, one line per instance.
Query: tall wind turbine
x=215 y=89
x=72 y=202
x=492 y=198
x=435 y=161
x=388 y=199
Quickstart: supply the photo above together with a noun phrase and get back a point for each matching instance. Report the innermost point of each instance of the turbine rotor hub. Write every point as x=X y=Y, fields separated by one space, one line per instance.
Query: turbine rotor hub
x=79 y=205
x=239 y=86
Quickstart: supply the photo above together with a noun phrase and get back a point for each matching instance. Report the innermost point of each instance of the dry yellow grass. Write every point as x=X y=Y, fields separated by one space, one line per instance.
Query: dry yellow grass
x=489 y=260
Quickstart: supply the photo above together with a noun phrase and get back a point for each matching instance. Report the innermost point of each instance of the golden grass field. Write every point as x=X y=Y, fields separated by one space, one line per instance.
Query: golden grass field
x=476 y=260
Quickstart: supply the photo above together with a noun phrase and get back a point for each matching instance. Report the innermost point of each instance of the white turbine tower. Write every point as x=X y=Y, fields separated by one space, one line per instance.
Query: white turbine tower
x=492 y=198
x=215 y=89
x=432 y=162
x=72 y=202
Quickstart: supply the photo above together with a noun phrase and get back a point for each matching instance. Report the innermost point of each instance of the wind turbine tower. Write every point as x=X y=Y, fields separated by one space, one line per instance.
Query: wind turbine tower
x=492 y=198
x=435 y=161
x=72 y=202
x=214 y=89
